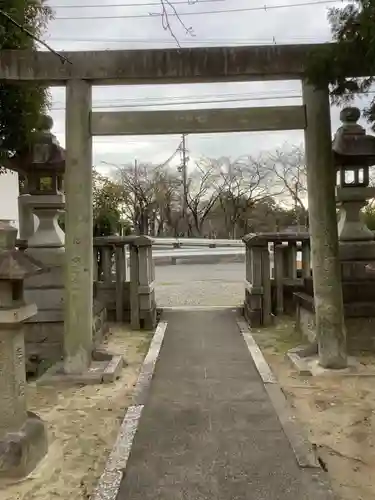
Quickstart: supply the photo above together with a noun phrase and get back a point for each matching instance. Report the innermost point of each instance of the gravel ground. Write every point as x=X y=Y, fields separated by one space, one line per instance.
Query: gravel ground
x=200 y=284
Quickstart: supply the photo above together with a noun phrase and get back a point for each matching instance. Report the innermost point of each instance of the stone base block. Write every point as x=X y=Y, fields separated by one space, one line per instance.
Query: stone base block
x=359 y=322
x=253 y=317
x=148 y=319
x=298 y=356
x=103 y=371
x=309 y=366
x=21 y=451
x=44 y=338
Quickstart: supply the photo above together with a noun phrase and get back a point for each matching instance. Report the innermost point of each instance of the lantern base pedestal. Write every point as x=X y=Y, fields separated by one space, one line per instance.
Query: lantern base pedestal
x=20 y=452
x=356 y=251
x=358 y=285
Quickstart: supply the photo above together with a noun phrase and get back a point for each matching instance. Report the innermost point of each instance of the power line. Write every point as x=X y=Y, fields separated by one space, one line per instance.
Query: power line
x=246 y=41
x=151 y=15
x=272 y=94
x=167 y=103
x=131 y=103
x=147 y=4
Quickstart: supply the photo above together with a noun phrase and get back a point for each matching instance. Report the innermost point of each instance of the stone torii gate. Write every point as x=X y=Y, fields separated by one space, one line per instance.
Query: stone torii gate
x=86 y=69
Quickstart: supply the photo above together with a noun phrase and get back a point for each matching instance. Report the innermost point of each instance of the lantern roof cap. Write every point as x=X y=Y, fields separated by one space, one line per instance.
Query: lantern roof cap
x=44 y=151
x=351 y=145
x=14 y=264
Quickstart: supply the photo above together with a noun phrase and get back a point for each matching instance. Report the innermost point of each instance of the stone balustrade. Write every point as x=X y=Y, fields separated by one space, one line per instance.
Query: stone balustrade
x=124 y=279
x=123 y=291
x=276 y=264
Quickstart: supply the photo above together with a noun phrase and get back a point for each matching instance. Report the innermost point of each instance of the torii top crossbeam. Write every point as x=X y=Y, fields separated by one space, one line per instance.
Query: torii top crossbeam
x=188 y=65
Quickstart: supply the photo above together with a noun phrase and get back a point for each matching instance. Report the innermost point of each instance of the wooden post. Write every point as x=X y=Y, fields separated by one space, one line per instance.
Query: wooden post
x=329 y=309
x=79 y=229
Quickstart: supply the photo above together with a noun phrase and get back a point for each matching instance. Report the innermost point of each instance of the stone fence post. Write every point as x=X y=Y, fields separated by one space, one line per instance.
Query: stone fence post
x=258 y=282
x=142 y=277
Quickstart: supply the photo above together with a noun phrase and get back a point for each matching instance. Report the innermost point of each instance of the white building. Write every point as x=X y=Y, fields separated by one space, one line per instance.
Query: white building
x=9 y=197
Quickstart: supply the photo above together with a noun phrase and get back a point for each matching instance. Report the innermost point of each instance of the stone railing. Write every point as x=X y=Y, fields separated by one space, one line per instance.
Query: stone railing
x=124 y=278
x=276 y=264
x=128 y=296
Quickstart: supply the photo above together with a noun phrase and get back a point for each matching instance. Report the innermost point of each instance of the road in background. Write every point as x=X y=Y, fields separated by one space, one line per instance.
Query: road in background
x=200 y=284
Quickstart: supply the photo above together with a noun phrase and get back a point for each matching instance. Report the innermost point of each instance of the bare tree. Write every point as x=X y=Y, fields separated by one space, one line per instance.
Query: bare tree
x=289 y=177
x=167 y=202
x=245 y=183
x=204 y=186
x=150 y=197
x=169 y=10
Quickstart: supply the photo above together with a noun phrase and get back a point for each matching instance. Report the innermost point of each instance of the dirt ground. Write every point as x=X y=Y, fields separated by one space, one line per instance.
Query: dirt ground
x=82 y=423
x=337 y=412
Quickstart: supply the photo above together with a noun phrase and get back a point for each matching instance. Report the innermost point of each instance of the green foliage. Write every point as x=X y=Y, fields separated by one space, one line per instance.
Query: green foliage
x=21 y=103
x=107 y=200
x=353 y=30
x=369 y=216
x=107 y=203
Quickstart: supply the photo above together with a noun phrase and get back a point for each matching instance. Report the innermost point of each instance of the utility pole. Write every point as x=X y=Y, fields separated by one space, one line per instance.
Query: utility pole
x=137 y=208
x=183 y=170
x=135 y=170
x=296 y=211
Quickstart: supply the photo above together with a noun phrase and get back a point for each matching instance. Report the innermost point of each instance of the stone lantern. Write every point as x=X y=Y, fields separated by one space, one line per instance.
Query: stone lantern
x=42 y=165
x=354 y=154
x=23 y=440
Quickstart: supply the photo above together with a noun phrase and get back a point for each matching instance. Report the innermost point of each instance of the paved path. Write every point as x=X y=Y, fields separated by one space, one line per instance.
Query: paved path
x=200 y=284
x=208 y=430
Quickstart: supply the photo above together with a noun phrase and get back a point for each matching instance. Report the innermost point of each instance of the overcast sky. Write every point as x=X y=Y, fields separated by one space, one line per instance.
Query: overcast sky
x=129 y=25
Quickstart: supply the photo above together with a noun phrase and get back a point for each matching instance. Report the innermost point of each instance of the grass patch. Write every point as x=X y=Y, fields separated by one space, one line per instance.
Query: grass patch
x=279 y=337
x=144 y=344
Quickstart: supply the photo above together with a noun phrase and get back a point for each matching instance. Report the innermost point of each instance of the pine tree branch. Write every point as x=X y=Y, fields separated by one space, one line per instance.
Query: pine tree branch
x=28 y=33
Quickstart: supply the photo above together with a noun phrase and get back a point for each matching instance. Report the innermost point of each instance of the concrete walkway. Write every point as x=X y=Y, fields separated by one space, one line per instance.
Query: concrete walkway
x=209 y=430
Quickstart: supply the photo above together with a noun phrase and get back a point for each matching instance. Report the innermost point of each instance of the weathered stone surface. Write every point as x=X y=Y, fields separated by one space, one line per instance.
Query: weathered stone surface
x=359 y=321
x=162 y=65
x=45 y=339
x=99 y=372
x=78 y=342
x=22 y=450
x=329 y=311
x=198 y=121
x=22 y=435
x=351 y=145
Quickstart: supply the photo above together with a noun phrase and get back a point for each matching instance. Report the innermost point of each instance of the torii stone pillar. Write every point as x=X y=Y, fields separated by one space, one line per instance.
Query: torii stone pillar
x=328 y=298
x=78 y=229
x=82 y=364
